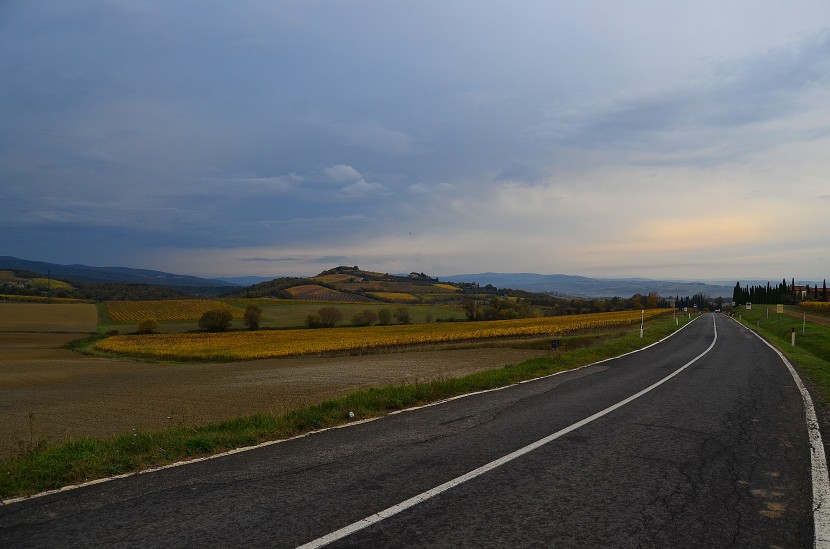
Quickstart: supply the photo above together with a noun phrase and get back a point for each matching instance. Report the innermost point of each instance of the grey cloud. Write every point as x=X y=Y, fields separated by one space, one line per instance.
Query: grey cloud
x=342 y=173
x=96 y=157
x=370 y=135
x=331 y=260
x=290 y=124
x=362 y=188
x=740 y=94
x=259 y=185
x=267 y=259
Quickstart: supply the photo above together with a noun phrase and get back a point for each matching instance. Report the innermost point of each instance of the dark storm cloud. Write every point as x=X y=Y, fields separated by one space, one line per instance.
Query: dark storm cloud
x=273 y=127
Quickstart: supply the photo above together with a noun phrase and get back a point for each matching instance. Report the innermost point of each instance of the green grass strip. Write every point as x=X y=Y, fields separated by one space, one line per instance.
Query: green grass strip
x=811 y=353
x=76 y=461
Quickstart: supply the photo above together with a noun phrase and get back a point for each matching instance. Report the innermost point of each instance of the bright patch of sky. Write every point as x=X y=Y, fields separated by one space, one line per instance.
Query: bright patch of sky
x=600 y=138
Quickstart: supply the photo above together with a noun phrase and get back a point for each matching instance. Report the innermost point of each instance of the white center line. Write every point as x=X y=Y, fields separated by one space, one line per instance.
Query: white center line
x=423 y=496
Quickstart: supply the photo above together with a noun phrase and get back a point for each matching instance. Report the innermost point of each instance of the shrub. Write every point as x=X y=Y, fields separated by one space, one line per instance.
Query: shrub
x=147 y=326
x=370 y=317
x=216 y=320
x=365 y=318
x=253 y=314
x=402 y=315
x=330 y=316
x=384 y=317
x=314 y=321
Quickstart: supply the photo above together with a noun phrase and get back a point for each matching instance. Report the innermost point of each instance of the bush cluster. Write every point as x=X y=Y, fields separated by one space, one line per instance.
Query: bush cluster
x=328 y=317
x=216 y=320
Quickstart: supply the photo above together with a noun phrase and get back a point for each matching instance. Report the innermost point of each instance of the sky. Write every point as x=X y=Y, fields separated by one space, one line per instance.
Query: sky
x=685 y=140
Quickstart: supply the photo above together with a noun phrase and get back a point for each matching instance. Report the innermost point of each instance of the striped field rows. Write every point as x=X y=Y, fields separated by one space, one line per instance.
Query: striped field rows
x=281 y=343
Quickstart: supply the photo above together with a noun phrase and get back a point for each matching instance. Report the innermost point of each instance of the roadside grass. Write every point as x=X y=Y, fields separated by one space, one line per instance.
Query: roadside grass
x=811 y=353
x=78 y=460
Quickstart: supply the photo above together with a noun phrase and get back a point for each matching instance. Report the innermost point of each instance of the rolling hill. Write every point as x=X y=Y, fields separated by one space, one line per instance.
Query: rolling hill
x=85 y=273
x=356 y=281
x=580 y=286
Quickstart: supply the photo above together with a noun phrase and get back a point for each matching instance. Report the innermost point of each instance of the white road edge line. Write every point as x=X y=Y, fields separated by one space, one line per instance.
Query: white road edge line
x=280 y=441
x=420 y=498
x=821 y=481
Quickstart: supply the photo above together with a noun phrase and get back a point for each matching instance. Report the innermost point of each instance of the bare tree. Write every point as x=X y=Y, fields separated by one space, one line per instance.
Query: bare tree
x=402 y=315
x=330 y=316
x=253 y=314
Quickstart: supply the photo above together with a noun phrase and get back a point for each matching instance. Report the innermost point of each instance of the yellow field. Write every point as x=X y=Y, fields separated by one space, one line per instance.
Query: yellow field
x=39 y=299
x=449 y=287
x=332 y=278
x=54 y=284
x=177 y=309
x=394 y=296
x=267 y=344
x=818 y=305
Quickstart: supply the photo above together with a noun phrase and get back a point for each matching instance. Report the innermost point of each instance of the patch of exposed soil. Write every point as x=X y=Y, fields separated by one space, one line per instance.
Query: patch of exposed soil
x=51 y=394
x=823 y=320
x=48 y=317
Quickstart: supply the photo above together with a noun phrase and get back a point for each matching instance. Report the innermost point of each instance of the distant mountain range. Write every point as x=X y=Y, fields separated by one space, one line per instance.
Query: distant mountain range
x=566 y=285
x=580 y=286
x=245 y=280
x=84 y=273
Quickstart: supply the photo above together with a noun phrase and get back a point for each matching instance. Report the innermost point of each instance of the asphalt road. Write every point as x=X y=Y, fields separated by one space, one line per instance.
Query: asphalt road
x=716 y=456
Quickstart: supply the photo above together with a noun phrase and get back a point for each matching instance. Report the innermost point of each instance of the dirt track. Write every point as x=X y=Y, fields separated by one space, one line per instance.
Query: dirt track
x=51 y=393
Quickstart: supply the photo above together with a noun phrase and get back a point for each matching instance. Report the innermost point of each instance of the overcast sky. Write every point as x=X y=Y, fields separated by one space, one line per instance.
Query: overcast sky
x=599 y=138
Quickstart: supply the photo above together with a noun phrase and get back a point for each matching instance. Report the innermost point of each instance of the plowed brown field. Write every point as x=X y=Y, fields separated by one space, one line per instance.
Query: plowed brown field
x=50 y=393
x=48 y=317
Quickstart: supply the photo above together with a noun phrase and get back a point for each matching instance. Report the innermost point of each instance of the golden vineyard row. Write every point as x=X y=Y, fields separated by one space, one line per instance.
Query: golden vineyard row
x=269 y=344
x=818 y=305
x=175 y=309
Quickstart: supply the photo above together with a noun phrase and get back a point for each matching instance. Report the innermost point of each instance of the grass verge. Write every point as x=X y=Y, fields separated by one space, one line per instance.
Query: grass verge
x=80 y=460
x=811 y=353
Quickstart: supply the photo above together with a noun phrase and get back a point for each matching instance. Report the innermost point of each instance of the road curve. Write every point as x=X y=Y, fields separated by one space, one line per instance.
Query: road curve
x=717 y=455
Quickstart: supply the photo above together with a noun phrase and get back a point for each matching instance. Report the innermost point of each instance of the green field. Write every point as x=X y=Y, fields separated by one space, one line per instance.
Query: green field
x=278 y=313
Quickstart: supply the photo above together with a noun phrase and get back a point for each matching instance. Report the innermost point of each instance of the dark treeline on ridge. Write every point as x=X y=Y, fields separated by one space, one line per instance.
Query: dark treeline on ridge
x=782 y=293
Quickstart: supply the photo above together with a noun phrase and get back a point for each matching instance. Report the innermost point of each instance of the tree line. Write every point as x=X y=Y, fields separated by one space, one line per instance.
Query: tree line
x=328 y=317
x=780 y=293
